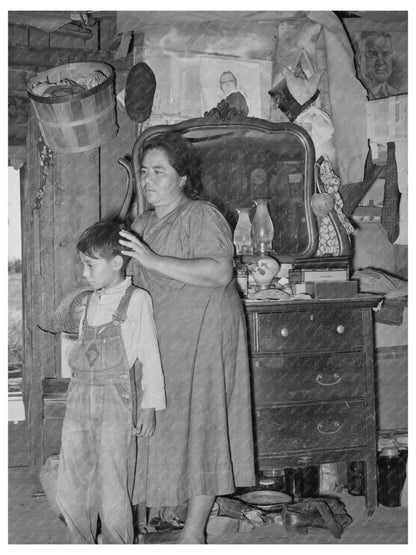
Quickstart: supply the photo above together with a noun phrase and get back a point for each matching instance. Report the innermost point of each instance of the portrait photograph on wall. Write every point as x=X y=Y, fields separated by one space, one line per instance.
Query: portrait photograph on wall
x=238 y=82
x=381 y=54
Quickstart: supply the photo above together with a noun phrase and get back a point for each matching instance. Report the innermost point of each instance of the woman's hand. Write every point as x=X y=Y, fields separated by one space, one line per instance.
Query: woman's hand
x=137 y=249
x=203 y=272
x=146 y=423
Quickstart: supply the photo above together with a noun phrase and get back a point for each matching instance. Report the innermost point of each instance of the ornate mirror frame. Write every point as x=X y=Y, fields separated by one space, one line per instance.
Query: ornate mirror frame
x=243 y=152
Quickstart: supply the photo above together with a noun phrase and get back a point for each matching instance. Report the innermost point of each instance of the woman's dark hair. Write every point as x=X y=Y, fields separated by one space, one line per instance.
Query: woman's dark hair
x=101 y=240
x=182 y=157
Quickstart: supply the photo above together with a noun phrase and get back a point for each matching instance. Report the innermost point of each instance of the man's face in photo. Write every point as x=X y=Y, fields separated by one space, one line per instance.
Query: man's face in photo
x=378 y=59
x=227 y=83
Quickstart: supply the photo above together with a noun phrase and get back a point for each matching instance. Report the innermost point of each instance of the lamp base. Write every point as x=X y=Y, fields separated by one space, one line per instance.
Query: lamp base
x=263 y=269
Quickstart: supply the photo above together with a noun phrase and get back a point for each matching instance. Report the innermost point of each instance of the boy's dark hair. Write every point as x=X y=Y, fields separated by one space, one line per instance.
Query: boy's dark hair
x=101 y=240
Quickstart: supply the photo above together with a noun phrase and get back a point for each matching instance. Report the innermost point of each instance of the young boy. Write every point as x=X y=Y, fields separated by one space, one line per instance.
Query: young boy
x=116 y=330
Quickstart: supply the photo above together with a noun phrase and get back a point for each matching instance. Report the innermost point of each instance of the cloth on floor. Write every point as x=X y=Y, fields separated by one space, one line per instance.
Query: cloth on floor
x=320 y=512
x=224 y=510
x=249 y=516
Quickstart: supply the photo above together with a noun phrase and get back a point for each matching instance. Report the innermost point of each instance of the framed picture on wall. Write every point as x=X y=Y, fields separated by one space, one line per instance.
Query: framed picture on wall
x=381 y=55
x=234 y=80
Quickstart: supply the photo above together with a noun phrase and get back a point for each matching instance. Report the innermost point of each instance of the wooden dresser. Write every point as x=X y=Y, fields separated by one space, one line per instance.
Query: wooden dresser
x=313 y=384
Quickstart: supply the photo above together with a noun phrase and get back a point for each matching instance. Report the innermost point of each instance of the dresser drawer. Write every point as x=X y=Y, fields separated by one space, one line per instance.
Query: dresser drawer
x=283 y=379
x=310 y=330
x=316 y=426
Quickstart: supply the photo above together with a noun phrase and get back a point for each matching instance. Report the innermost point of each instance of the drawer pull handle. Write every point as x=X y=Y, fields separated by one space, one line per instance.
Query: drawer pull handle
x=284 y=332
x=321 y=429
x=337 y=379
x=340 y=329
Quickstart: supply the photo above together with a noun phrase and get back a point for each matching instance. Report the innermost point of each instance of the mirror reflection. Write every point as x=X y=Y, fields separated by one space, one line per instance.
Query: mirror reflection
x=241 y=165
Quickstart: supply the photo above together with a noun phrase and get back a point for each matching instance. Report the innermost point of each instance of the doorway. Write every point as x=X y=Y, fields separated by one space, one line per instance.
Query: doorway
x=18 y=432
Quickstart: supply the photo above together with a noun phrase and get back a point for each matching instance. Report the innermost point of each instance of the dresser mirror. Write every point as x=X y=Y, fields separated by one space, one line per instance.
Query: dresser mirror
x=244 y=159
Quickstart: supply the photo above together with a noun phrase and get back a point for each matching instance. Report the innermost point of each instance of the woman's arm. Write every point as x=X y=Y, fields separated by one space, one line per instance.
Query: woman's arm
x=204 y=272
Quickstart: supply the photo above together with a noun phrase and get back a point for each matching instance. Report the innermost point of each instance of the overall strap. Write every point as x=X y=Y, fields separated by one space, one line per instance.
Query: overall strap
x=84 y=323
x=121 y=311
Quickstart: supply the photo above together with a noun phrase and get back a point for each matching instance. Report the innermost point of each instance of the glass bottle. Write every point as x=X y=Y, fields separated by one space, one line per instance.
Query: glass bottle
x=278 y=477
x=242 y=232
x=262 y=230
x=310 y=476
x=267 y=483
x=356 y=477
x=302 y=482
x=391 y=476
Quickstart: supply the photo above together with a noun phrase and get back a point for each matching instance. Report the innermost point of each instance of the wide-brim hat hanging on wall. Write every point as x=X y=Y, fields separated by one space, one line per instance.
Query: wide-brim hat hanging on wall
x=140 y=90
x=298 y=88
x=75 y=106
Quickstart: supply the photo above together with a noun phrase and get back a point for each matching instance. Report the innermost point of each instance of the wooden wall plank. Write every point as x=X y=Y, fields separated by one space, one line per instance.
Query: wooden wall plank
x=18 y=35
x=17 y=135
x=77 y=206
x=60 y=39
x=25 y=202
x=34 y=337
x=18 y=109
x=18 y=113
x=19 y=78
x=38 y=37
x=45 y=57
x=45 y=220
x=108 y=32
x=113 y=175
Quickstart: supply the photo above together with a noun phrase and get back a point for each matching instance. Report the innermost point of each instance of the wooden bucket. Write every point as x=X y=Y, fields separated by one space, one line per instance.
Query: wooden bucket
x=77 y=121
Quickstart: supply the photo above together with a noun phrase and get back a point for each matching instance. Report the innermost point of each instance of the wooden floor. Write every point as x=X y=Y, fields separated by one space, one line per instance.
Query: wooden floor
x=31 y=520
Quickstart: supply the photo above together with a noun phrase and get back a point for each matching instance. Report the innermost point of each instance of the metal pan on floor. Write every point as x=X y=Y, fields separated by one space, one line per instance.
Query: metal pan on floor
x=266 y=500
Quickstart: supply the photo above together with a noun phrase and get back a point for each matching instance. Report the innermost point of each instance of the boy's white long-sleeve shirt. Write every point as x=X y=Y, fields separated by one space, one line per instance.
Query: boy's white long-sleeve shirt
x=139 y=336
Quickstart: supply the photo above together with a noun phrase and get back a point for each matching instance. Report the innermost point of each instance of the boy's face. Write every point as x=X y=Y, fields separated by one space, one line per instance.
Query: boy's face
x=101 y=272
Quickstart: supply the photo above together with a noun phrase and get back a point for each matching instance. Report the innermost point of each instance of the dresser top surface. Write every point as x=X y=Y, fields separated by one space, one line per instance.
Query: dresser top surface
x=360 y=301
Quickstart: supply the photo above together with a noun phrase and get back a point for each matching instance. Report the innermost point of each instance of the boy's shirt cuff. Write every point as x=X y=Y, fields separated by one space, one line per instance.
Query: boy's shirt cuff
x=155 y=401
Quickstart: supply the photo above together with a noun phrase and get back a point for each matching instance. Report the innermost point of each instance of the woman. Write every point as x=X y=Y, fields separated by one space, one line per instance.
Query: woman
x=182 y=255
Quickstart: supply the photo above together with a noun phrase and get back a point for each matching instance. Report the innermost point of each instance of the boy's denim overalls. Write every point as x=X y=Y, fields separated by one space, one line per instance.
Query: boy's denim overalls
x=97 y=435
